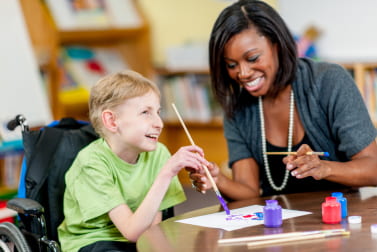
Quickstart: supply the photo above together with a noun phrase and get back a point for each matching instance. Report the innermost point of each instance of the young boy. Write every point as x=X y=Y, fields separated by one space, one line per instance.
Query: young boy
x=118 y=185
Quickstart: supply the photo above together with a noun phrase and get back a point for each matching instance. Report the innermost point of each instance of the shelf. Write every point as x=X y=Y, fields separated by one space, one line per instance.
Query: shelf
x=7 y=193
x=131 y=43
x=214 y=123
x=167 y=72
x=100 y=35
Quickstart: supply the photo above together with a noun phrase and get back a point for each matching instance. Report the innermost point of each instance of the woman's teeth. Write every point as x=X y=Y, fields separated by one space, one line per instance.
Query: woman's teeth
x=253 y=83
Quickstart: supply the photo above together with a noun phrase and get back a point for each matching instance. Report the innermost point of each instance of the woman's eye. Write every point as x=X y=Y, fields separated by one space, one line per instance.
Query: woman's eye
x=253 y=59
x=231 y=65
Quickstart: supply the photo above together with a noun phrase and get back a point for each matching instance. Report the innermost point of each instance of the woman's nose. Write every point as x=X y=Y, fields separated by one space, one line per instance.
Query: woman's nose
x=244 y=71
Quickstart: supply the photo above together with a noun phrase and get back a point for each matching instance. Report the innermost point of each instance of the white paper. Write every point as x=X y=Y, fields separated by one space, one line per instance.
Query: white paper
x=239 y=218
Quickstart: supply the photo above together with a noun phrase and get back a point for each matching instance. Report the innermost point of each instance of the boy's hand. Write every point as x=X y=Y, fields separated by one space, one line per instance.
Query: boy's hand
x=189 y=157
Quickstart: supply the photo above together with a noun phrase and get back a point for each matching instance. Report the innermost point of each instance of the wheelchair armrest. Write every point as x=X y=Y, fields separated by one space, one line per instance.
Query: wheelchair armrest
x=25 y=206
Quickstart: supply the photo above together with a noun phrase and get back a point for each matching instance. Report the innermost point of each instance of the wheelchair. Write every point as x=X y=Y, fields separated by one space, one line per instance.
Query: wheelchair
x=48 y=154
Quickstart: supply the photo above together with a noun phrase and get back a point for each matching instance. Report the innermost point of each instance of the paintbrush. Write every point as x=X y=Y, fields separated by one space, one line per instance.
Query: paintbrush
x=280 y=237
x=221 y=199
x=319 y=153
x=305 y=236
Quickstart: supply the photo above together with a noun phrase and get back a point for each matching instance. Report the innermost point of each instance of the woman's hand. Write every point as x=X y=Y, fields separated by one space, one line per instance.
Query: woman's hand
x=189 y=157
x=200 y=180
x=303 y=165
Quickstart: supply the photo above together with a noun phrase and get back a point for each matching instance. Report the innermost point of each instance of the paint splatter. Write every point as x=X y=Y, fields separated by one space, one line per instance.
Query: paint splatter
x=253 y=216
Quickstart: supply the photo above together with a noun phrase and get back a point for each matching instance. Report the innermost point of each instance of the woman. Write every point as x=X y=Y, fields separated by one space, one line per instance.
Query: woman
x=274 y=101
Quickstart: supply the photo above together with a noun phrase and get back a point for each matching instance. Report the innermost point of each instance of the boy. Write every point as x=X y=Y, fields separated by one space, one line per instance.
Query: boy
x=118 y=185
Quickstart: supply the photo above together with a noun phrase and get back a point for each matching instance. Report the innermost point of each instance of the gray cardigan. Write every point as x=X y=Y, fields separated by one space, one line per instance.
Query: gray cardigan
x=331 y=109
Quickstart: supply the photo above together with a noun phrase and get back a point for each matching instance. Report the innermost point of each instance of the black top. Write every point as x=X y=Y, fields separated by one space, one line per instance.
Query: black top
x=294 y=185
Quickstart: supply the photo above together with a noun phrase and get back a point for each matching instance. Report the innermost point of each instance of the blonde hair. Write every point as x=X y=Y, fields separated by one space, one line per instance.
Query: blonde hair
x=112 y=90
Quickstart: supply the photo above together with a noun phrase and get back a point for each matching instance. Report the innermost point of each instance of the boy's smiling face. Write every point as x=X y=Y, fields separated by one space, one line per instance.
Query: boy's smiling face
x=138 y=126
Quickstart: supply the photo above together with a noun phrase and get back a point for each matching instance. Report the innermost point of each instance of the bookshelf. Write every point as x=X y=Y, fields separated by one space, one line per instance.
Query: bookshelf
x=191 y=92
x=11 y=155
x=132 y=43
x=365 y=76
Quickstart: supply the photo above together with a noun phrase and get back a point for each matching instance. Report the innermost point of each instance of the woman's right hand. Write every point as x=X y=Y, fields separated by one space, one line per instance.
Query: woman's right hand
x=200 y=180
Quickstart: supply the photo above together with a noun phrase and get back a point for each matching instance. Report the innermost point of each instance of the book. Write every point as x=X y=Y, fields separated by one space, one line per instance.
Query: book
x=190 y=93
x=94 y=14
x=81 y=67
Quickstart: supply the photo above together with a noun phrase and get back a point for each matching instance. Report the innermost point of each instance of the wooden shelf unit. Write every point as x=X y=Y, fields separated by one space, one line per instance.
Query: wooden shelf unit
x=133 y=45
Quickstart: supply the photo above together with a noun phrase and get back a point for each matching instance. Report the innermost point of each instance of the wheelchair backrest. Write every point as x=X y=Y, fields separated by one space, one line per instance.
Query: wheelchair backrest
x=49 y=153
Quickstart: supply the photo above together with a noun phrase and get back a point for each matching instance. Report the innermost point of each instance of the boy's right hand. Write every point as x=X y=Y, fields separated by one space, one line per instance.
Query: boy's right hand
x=189 y=157
x=200 y=180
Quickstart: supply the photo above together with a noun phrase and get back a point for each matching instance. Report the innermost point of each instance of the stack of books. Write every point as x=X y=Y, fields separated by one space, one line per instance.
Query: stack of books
x=94 y=14
x=82 y=67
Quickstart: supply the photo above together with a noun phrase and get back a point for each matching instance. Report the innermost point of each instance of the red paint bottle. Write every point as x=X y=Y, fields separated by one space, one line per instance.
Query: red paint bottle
x=331 y=213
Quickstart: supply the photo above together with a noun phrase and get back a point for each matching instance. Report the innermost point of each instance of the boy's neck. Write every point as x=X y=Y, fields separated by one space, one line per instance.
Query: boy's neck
x=130 y=157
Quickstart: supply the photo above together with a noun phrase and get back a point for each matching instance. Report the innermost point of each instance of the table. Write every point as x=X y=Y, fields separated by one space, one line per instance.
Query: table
x=170 y=235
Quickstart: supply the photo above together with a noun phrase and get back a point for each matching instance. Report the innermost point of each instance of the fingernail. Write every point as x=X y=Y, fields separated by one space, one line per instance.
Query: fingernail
x=289 y=166
x=203 y=192
x=294 y=173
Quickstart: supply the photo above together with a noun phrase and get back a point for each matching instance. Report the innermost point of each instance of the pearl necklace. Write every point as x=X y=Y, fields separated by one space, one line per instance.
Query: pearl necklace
x=264 y=147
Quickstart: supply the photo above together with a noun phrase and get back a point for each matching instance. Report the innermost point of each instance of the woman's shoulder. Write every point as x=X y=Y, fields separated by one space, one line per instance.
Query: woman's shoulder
x=320 y=67
x=323 y=75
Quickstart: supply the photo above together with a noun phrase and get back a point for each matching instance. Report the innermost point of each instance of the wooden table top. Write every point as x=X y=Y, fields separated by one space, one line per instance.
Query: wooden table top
x=170 y=235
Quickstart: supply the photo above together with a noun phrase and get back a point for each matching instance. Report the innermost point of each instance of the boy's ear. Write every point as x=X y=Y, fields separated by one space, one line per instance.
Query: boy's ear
x=109 y=120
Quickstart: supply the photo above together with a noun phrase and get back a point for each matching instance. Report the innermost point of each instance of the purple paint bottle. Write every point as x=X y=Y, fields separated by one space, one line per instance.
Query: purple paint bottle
x=272 y=214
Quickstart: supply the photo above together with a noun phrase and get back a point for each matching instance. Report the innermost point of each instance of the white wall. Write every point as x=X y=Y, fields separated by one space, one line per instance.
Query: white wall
x=21 y=88
x=348 y=27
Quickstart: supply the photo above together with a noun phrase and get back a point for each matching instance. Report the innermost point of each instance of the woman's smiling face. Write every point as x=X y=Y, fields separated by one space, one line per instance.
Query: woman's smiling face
x=252 y=60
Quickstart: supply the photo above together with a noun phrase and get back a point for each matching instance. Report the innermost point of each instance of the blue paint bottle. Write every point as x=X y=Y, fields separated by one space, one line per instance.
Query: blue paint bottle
x=272 y=214
x=343 y=203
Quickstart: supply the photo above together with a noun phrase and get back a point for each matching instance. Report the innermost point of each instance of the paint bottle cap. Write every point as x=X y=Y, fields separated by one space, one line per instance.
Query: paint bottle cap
x=373 y=228
x=337 y=194
x=354 y=219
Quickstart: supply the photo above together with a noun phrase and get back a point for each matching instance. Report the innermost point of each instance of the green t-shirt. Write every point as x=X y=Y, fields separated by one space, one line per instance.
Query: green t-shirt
x=98 y=181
